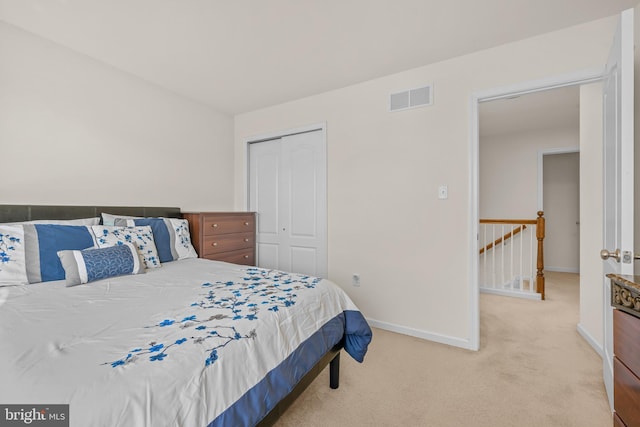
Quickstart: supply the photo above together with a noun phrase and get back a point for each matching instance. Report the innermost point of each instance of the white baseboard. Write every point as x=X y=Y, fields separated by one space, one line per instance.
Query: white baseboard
x=589 y=339
x=459 y=342
x=508 y=293
x=562 y=269
x=429 y=336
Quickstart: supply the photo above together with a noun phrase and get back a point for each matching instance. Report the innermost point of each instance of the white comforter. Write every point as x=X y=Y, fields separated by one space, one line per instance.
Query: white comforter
x=178 y=345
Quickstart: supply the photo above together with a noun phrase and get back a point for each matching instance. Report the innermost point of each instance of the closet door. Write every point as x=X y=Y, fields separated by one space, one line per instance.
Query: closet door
x=264 y=199
x=287 y=188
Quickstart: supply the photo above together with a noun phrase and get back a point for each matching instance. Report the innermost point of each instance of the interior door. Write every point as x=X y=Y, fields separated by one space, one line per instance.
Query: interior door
x=303 y=207
x=287 y=188
x=618 y=175
x=264 y=196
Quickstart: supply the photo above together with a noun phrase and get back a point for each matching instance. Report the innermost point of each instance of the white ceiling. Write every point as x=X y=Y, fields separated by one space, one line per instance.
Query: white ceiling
x=241 y=55
x=549 y=109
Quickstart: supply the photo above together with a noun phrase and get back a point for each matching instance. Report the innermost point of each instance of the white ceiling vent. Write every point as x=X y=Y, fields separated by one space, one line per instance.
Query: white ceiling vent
x=411 y=98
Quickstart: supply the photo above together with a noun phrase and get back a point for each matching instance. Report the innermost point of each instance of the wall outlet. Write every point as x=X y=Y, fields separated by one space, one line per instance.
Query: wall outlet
x=355 y=280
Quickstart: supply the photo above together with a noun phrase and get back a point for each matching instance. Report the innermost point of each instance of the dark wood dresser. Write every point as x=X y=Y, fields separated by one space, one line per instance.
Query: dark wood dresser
x=224 y=236
x=625 y=297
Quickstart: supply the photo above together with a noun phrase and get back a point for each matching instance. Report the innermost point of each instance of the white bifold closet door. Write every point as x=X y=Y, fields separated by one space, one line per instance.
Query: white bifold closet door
x=287 y=189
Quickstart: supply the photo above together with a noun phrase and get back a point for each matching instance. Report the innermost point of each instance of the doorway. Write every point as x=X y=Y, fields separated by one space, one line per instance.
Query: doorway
x=560 y=172
x=578 y=78
x=516 y=134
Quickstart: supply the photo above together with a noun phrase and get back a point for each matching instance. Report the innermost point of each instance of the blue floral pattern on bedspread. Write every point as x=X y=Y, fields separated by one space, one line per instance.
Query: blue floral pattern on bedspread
x=259 y=291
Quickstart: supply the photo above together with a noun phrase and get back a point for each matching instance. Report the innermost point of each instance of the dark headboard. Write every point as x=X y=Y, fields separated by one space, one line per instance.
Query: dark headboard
x=16 y=213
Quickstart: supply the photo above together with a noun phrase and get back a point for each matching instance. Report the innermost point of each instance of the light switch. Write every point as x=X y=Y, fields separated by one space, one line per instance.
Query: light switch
x=443 y=192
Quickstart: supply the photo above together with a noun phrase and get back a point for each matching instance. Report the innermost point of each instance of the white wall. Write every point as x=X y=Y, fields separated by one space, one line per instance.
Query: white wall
x=76 y=131
x=591 y=273
x=509 y=170
x=385 y=221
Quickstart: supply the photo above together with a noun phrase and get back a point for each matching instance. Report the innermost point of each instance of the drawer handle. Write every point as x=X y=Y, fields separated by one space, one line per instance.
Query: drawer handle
x=246 y=223
x=246 y=257
x=214 y=225
x=214 y=244
x=246 y=240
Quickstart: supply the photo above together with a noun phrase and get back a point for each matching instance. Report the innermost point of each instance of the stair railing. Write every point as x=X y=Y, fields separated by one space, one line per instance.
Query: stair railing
x=507 y=262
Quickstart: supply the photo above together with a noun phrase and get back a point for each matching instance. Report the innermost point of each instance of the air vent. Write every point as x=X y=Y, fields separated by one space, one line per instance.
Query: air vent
x=411 y=98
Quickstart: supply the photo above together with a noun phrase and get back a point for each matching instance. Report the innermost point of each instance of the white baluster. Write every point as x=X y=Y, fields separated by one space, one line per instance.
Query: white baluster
x=493 y=257
x=521 y=254
x=484 y=259
x=511 y=276
x=502 y=281
x=533 y=259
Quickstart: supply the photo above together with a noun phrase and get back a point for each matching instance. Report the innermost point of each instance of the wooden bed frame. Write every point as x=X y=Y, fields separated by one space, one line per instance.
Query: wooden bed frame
x=19 y=213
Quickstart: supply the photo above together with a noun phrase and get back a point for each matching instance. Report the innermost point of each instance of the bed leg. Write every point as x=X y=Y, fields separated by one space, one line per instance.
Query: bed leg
x=334 y=372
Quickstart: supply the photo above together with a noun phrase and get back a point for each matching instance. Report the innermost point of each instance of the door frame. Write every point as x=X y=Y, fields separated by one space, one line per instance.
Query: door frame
x=322 y=128
x=618 y=226
x=540 y=187
x=575 y=78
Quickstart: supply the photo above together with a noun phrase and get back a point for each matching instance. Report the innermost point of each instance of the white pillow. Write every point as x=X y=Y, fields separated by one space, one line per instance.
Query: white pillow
x=141 y=237
x=171 y=235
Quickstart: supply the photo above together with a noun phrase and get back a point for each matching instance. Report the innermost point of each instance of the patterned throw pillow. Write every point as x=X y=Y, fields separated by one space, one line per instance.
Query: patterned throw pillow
x=12 y=263
x=95 y=264
x=171 y=236
x=141 y=237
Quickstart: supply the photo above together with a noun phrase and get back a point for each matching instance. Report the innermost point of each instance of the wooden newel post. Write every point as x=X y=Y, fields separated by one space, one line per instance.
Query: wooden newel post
x=540 y=263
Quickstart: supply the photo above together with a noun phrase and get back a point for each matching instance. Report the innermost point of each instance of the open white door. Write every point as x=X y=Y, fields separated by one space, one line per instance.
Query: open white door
x=618 y=175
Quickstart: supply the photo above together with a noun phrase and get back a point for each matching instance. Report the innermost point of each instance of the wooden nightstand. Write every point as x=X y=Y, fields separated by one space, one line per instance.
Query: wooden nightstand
x=224 y=236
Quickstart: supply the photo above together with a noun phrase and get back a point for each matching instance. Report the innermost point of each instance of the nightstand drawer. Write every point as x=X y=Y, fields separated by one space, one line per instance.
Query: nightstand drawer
x=216 y=225
x=626 y=340
x=228 y=242
x=626 y=394
x=243 y=256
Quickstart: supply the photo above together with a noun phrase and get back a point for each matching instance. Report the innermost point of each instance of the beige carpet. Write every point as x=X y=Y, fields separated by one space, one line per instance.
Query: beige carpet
x=533 y=369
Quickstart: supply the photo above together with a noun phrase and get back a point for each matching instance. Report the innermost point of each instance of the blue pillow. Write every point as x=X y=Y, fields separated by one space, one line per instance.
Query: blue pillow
x=42 y=243
x=100 y=263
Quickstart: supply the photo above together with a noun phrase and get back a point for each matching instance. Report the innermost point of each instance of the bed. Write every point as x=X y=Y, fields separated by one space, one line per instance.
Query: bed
x=192 y=342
